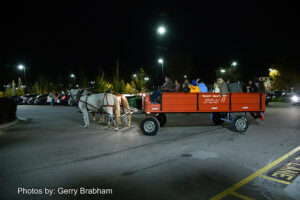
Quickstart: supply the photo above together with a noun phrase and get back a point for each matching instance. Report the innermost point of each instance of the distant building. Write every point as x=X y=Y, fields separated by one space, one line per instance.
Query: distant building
x=267 y=82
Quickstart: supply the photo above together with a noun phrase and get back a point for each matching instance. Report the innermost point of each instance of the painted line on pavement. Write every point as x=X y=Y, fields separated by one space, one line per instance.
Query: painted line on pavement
x=274 y=179
x=246 y=180
x=240 y=196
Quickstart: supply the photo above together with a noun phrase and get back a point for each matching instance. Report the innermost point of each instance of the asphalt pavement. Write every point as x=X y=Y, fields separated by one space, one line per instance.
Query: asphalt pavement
x=190 y=158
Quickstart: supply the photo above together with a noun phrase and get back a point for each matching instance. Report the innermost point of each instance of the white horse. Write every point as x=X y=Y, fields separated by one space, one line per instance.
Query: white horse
x=103 y=102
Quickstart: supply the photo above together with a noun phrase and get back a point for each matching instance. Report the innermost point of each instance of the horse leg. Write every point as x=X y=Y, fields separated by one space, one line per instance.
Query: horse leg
x=85 y=117
x=129 y=120
x=109 y=119
x=101 y=119
x=115 y=124
x=94 y=115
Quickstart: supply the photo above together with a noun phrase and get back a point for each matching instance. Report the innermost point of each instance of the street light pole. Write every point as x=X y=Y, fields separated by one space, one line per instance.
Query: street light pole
x=161 y=61
x=73 y=76
x=21 y=67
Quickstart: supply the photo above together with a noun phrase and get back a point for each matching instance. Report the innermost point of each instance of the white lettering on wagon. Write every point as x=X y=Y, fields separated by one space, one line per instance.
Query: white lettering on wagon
x=212 y=99
x=214 y=108
x=154 y=108
x=245 y=107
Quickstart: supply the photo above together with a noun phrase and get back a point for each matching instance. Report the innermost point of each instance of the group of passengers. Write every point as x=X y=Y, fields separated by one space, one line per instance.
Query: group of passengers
x=198 y=86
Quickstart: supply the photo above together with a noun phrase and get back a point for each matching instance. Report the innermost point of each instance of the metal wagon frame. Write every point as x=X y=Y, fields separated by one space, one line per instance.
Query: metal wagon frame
x=222 y=108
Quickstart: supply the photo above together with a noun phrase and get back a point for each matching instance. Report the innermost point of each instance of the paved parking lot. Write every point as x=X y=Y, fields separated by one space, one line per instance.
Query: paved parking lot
x=189 y=158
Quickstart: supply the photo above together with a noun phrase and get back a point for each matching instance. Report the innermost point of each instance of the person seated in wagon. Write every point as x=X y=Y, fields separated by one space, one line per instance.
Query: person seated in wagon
x=194 y=87
x=166 y=87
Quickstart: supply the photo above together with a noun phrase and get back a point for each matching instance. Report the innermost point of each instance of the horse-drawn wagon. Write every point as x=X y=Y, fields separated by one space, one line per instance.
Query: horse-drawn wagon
x=226 y=108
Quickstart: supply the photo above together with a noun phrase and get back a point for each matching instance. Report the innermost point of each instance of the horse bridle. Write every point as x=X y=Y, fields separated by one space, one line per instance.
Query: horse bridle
x=78 y=95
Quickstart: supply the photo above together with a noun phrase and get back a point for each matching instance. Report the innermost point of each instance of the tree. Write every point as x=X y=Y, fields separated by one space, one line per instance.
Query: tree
x=138 y=80
x=20 y=91
x=129 y=89
x=101 y=85
x=13 y=87
x=35 y=89
x=283 y=77
x=45 y=88
x=8 y=91
x=118 y=85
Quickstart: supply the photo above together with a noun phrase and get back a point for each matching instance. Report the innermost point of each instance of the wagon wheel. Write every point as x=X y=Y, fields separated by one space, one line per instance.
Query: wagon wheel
x=150 y=126
x=239 y=124
x=216 y=118
x=162 y=118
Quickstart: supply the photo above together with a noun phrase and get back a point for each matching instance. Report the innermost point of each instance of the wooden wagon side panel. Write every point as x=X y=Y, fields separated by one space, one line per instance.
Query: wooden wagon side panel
x=179 y=102
x=247 y=102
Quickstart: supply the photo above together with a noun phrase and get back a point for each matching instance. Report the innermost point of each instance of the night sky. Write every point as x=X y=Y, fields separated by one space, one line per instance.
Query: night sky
x=60 y=38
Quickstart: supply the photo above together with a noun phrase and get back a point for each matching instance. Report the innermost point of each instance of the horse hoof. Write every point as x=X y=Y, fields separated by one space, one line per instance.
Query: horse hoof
x=85 y=126
x=116 y=129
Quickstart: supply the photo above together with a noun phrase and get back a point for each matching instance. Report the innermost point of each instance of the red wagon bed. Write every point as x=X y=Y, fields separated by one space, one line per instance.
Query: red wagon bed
x=221 y=108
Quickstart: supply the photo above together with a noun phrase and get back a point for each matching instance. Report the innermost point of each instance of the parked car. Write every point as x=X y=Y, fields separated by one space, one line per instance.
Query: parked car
x=18 y=99
x=27 y=97
x=62 y=99
x=41 y=99
x=31 y=100
x=268 y=97
x=279 y=93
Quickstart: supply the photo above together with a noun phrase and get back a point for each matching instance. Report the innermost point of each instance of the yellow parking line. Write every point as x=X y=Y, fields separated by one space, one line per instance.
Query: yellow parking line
x=254 y=175
x=274 y=179
x=240 y=196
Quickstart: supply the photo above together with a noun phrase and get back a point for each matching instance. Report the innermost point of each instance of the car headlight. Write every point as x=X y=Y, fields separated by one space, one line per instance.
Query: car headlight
x=295 y=98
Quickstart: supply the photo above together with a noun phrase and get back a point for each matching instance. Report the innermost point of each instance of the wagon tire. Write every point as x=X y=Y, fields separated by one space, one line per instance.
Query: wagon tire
x=150 y=126
x=239 y=124
x=162 y=118
x=216 y=118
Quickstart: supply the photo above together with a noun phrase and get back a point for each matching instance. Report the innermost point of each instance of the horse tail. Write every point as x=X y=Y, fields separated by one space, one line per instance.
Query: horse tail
x=126 y=109
x=117 y=109
x=125 y=103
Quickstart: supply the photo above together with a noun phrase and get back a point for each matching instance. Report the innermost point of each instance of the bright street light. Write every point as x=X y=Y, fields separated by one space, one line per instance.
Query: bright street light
x=222 y=71
x=270 y=69
x=161 y=30
x=21 y=67
x=185 y=76
x=234 y=63
x=146 y=78
x=160 y=61
x=134 y=75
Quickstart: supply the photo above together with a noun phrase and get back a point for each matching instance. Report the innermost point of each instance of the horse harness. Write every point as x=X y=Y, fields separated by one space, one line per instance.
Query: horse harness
x=98 y=109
